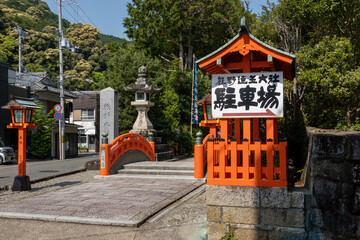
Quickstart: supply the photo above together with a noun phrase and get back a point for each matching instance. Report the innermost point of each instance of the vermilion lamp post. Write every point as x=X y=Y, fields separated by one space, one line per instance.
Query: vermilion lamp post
x=21 y=115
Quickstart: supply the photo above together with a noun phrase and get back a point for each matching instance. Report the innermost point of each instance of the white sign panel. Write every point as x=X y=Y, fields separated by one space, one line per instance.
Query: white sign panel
x=103 y=158
x=247 y=95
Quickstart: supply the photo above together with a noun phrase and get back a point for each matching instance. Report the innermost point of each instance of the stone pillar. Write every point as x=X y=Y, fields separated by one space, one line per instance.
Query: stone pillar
x=109 y=113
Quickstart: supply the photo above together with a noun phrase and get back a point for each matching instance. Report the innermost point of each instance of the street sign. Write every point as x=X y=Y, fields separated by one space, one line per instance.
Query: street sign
x=57 y=108
x=57 y=116
x=247 y=95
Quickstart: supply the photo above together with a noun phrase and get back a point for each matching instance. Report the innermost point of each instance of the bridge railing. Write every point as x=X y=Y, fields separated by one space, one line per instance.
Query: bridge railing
x=110 y=153
x=247 y=164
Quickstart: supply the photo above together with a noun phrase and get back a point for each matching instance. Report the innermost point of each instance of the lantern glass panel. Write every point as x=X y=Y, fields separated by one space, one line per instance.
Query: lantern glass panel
x=28 y=115
x=18 y=118
x=140 y=96
x=209 y=112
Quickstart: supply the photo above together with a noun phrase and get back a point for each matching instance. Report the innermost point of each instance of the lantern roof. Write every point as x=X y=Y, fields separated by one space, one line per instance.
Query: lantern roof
x=20 y=102
x=205 y=99
x=142 y=84
x=231 y=57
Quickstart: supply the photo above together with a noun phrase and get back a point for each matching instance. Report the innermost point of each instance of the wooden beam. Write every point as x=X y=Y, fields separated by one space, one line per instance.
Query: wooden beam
x=242 y=65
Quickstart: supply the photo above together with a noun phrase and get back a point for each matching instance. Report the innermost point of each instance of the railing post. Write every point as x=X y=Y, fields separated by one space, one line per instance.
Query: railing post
x=257 y=174
x=198 y=157
x=104 y=156
x=283 y=159
x=246 y=158
x=210 y=158
x=270 y=159
x=152 y=141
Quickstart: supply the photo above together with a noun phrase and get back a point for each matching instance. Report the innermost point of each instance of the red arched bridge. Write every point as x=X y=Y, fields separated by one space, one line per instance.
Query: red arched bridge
x=129 y=147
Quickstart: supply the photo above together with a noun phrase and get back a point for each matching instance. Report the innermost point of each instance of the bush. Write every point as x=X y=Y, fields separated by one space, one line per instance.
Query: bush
x=41 y=140
x=182 y=143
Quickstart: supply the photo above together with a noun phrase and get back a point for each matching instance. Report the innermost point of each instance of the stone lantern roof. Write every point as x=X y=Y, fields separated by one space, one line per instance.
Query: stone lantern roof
x=142 y=84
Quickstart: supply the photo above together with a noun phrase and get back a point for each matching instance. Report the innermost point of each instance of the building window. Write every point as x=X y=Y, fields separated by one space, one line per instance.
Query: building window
x=87 y=114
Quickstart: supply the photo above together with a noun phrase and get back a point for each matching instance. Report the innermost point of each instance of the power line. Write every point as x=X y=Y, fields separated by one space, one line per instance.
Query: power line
x=86 y=15
x=77 y=14
x=70 y=14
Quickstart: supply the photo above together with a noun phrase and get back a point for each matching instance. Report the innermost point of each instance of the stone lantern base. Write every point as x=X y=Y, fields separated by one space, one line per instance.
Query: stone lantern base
x=143 y=125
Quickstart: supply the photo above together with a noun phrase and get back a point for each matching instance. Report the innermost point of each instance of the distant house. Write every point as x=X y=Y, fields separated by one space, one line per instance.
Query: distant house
x=45 y=91
x=86 y=110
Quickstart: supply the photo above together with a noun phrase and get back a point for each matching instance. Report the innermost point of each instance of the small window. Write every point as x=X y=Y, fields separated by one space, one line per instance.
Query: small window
x=140 y=96
x=87 y=114
x=209 y=112
x=82 y=139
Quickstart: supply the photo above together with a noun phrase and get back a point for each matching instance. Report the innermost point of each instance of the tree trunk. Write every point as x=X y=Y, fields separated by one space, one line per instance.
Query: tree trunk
x=348 y=117
x=294 y=97
x=189 y=56
x=181 y=53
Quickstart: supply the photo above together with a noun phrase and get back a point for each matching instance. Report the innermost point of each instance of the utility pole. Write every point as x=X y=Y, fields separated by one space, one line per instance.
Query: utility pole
x=62 y=99
x=21 y=33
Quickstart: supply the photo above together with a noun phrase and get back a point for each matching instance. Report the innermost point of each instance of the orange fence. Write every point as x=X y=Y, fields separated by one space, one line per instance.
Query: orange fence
x=262 y=164
x=110 y=153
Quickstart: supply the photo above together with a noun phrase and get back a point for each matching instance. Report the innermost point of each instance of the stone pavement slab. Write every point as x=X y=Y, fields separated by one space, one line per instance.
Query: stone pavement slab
x=112 y=201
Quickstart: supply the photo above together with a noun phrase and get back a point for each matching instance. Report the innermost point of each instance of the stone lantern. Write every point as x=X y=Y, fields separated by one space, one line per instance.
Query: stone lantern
x=142 y=90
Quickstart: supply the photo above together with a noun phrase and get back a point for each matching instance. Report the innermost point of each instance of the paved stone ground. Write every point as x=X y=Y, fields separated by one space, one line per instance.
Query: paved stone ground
x=124 y=202
x=185 y=222
x=183 y=219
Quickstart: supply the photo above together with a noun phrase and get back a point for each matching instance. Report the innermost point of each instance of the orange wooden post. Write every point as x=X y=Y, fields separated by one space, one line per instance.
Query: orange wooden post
x=283 y=160
x=269 y=159
x=246 y=158
x=198 y=157
x=247 y=129
x=22 y=152
x=257 y=174
x=222 y=151
x=237 y=130
x=104 y=156
x=224 y=129
x=233 y=154
x=270 y=128
x=210 y=163
x=256 y=128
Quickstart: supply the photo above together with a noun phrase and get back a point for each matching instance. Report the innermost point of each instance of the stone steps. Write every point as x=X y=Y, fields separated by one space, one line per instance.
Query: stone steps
x=163 y=156
x=157 y=172
x=159 y=166
x=171 y=168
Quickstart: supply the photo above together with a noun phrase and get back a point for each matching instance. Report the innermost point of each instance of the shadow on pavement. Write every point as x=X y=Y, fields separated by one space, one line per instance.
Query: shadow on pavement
x=62 y=184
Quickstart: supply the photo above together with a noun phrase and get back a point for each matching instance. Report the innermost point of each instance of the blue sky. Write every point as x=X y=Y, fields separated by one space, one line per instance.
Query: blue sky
x=108 y=15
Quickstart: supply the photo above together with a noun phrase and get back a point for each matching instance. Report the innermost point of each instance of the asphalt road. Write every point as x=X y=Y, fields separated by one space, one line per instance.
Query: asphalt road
x=38 y=169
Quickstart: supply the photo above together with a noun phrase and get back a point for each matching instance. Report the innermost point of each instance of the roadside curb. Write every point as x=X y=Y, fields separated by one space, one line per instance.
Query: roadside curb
x=68 y=219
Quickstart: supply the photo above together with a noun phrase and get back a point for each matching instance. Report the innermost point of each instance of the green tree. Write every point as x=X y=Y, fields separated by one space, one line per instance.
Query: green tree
x=8 y=49
x=41 y=140
x=331 y=78
x=122 y=72
x=182 y=27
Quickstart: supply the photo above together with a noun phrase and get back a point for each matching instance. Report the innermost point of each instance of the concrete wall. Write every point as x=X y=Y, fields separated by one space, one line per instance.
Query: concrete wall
x=332 y=174
x=257 y=212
